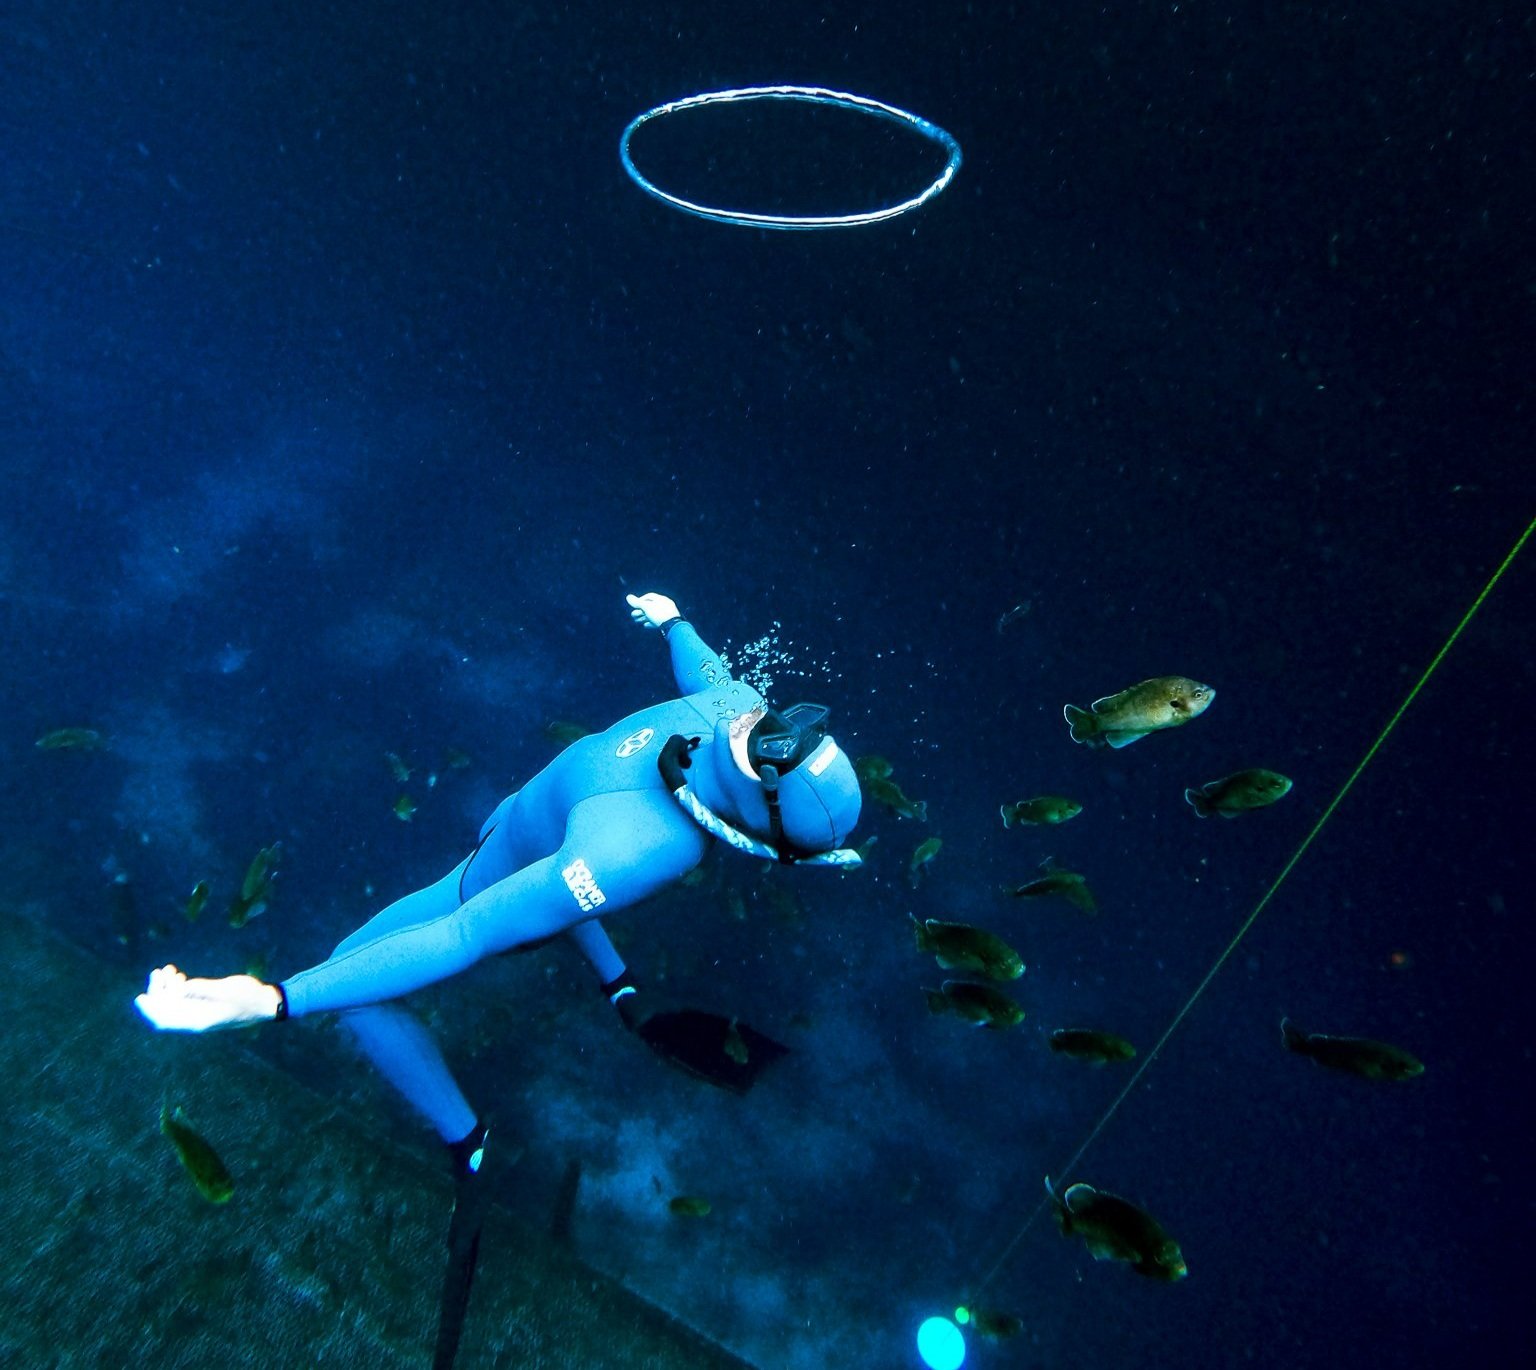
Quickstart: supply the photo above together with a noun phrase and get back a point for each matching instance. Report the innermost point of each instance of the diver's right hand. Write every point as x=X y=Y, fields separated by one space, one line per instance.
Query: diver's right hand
x=652 y=610
x=173 y=1003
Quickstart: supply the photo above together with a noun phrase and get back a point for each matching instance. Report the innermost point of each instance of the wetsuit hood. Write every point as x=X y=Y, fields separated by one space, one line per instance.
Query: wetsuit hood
x=818 y=798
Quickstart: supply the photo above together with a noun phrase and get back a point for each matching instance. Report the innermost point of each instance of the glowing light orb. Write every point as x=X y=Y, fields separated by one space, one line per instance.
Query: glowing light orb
x=940 y=1344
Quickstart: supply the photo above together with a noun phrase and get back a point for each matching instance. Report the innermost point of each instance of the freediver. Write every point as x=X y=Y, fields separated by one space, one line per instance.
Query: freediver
x=616 y=817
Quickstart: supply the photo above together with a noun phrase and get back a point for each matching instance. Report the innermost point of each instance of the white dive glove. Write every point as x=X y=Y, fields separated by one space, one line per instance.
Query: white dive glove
x=651 y=611
x=174 y=1003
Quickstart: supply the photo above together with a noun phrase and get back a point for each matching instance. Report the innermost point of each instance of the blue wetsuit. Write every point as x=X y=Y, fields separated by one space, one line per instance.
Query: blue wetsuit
x=595 y=831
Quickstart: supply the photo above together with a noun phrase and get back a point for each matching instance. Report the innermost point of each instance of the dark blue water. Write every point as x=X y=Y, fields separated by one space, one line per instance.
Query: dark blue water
x=347 y=385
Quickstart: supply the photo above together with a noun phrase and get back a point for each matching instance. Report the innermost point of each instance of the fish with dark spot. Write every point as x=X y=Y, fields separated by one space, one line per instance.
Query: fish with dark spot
x=1043 y=809
x=689 y=1206
x=1114 y=1229
x=1238 y=793
x=872 y=767
x=886 y=791
x=1087 y=1044
x=1362 y=1056
x=980 y=1005
x=923 y=854
x=1165 y=701
x=994 y=1324
x=959 y=946
x=71 y=740
x=1061 y=883
x=196 y=901
x=201 y=1161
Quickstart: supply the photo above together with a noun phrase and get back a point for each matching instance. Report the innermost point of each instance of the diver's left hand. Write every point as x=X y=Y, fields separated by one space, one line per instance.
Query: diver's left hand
x=173 y=1003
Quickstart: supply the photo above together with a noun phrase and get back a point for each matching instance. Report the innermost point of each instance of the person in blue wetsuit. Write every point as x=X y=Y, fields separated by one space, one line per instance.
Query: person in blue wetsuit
x=616 y=817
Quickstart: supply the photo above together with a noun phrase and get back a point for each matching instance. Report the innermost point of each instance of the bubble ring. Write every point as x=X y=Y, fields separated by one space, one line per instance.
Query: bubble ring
x=811 y=95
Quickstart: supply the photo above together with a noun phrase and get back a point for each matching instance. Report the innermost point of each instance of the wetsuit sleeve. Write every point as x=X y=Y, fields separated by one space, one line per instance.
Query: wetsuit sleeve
x=694 y=665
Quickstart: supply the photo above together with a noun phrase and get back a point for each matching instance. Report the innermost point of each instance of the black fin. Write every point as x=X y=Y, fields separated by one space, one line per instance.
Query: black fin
x=696 y=1041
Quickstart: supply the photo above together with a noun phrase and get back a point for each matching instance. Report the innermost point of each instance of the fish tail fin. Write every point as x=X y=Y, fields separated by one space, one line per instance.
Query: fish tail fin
x=1292 y=1036
x=919 y=932
x=1006 y=812
x=937 y=1003
x=1199 y=802
x=920 y=809
x=1084 y=725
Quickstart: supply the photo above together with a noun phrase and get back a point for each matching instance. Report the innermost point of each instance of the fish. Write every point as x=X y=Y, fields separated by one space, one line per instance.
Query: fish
x=404 y=808
x=872 y=768
x=1118 y=720
x=979 y=1004
x=885 y=791
x=1013 y=615
x=256 y=888
x=925 y=851
x=1115 y=1229
x=1362 y=1056
x=994 y=1324
x=71 y=740
x=1087 y=1044
x=398 y=767
x=735 y=1044
x=959 y=946
x=127 y=924
x=196 y=900
x=1065 y=884
x=456 y=758
x=260 y=873
x=201 y=1161
x=1045 y=808
x=689 y=1206
x=565 y=732
x=241 y=911
x=1238 y=793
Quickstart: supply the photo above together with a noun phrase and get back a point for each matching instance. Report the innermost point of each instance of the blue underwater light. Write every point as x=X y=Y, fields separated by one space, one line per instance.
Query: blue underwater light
x=940 y=1344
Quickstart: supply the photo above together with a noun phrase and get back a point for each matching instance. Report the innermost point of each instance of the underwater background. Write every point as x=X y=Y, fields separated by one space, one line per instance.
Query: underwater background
x=347 y=385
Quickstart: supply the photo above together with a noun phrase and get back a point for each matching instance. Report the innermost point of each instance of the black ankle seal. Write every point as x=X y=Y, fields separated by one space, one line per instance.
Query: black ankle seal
x=620 y=984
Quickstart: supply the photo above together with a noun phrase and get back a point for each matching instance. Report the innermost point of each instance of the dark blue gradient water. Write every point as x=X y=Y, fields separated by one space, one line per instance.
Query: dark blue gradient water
x=347 y=385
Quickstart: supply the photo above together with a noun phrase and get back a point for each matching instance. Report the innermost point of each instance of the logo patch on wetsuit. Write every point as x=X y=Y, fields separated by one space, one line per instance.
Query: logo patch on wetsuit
x=635 y=742
x=583 y=884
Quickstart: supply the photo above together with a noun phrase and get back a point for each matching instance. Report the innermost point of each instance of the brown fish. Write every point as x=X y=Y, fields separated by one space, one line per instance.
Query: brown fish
x=1065 y=884
x=1114 y=1229
x=978 y=1004
x=1088 y=1044
x=1362 y=1056
x=1238 y=793
x=1117 y=720
x=959 y=946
